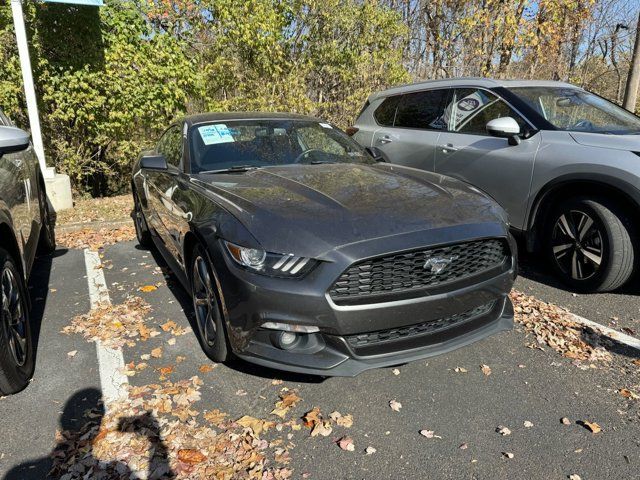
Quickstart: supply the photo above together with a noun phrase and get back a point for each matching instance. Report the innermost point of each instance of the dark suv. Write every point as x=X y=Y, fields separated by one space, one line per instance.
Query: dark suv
x=25 y=227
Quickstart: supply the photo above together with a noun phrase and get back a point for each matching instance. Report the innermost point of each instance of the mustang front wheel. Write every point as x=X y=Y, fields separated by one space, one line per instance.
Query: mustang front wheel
x=206 y=304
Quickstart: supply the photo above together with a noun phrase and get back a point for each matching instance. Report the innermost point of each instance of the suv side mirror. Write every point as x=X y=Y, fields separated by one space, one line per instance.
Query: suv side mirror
x=13 y=140
x=376 y=154
x=504 y=127
x=153 y=162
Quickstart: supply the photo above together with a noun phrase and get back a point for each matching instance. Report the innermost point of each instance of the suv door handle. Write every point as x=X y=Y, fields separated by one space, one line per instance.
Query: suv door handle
x=448 y=148
x=385 y=139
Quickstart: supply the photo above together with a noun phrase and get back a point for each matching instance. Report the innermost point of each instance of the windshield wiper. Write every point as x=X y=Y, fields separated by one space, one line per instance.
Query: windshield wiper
x=234 y=169
x=320 y=162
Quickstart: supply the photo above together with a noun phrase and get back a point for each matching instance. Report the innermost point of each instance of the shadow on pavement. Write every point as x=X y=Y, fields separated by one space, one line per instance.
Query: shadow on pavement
x=72 y=457
x=241 y=366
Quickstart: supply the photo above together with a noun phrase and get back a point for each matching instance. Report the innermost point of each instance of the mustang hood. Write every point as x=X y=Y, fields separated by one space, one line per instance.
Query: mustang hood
x=311 y=209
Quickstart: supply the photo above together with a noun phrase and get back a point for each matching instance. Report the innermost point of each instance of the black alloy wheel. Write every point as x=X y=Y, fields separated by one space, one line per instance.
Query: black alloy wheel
x=142 y=228
x=207 y=307
x=589 y=243
x=16 y=356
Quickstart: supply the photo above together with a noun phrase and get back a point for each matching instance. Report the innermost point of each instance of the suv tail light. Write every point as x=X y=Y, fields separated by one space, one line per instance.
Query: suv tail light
x=351 y=131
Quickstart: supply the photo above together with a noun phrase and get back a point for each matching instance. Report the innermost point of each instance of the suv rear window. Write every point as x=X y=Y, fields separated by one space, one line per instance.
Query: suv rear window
x=423 y=110
x=386 y=112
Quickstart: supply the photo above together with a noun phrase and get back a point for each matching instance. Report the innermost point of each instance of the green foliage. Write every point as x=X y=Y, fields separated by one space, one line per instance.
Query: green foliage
x=109 y=79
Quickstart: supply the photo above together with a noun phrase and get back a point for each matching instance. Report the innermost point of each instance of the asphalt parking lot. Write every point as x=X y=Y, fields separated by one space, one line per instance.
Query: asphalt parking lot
x=528 y=390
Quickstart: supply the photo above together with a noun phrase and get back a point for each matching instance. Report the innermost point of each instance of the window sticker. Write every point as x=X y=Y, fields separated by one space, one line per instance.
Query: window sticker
x=325 y=125
x=217 y=133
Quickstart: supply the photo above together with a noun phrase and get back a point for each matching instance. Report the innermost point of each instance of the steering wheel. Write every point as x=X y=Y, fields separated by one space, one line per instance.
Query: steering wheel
x=306 y=153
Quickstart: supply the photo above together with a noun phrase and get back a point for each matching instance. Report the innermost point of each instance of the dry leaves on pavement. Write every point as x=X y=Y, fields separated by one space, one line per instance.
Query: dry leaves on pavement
x=553 y=326
x=95 y=238
x=114 y=325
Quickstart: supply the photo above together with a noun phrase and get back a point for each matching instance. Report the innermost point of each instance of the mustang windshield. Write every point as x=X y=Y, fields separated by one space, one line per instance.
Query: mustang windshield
x=241 y=145
x=575 y=110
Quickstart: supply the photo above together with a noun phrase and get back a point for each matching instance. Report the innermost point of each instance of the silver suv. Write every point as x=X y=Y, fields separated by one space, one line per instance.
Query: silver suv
x=563 y=162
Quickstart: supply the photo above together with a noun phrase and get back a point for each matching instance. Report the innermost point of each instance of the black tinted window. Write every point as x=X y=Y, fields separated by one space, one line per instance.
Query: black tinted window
x=472 y=108
x=423 y=110
x=386 y=112
x=170 y=145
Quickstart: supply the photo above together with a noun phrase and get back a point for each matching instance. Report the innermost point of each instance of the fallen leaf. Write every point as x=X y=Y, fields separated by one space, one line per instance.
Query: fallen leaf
x=148 y=288
x=321 y=428
x=287 y=401
x=463 y=446
x=396 y=371
x=346 y=443
x=255 y=424
x=171 y=341
x=508 y=454
x=206 y=368
x=72 y=353
x=214 y=416
x=166 y=370
x=395 y=406
x=168 y=325
x=486 y=369
x=504 y=431
x=592 y=426
x=628 y=394
x=565 y=421
x=528 y=424
x=190 y=456
x=460 y=370
x=429 y=434
x=574 y=476
x=156 y=352
x=370 y=450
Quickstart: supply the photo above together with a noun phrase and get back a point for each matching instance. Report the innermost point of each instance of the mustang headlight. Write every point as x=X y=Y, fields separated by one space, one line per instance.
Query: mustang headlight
x=267 y=263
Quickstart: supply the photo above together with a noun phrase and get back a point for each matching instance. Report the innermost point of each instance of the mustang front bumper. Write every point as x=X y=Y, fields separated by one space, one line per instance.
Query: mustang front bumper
x=354 y=338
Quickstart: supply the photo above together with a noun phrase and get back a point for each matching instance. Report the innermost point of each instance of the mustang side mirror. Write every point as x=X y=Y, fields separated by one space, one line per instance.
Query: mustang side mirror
x=153 y=162
x=13 y=140
x=505 y=127
x=375 y=153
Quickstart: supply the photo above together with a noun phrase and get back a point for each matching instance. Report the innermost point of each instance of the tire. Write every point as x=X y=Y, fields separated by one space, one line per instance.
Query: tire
x=16 y=348
x=589 y=244
x=207 y=306
x=142 y=228
x=47 y=241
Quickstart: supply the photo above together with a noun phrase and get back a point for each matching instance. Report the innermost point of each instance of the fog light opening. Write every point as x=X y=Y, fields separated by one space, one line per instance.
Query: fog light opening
x=288 y=340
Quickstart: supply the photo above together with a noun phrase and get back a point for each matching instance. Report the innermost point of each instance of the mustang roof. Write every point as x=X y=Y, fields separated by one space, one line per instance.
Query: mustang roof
x=227 y=116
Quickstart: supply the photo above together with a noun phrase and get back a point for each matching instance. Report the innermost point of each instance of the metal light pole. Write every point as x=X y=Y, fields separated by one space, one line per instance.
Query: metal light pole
x=29 y=89
x=631 y=92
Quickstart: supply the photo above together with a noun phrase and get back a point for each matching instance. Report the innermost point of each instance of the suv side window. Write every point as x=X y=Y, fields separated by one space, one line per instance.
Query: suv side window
x=423 y=110
x=386 y=112
x=170 y=145
x=472 y=108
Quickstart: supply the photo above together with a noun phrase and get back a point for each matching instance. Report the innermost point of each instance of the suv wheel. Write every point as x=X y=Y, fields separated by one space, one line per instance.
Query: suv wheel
x=16 y=355
x=588 y=242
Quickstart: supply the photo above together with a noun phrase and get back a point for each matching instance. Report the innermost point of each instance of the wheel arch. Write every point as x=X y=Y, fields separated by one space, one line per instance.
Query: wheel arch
x=587 y=185
x=9 y=242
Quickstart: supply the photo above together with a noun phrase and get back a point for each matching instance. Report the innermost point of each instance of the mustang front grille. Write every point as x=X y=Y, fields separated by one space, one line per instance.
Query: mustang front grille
x=389 y=276
x=430 y=327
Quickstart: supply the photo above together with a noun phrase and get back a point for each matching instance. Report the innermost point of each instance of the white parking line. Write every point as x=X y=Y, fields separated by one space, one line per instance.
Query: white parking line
x=619 y=337
x=110 y=361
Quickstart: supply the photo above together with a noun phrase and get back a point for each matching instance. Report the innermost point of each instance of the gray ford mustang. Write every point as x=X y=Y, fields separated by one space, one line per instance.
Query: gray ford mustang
x=303 y=252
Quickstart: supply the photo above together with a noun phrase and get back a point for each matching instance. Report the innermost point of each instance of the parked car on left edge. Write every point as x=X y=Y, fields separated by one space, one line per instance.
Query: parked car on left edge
x=26 y=226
